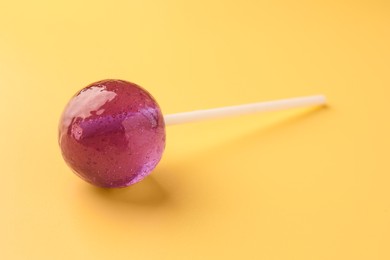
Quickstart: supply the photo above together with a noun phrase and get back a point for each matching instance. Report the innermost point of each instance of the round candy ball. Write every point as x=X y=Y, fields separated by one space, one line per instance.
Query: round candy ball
x=112 y=133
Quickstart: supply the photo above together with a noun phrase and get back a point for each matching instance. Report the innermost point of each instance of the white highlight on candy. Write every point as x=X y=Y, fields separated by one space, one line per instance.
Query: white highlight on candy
x=267 y=106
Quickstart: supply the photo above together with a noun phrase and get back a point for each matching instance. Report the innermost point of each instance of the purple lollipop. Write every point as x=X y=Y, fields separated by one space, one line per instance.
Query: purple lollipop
x=112 y=132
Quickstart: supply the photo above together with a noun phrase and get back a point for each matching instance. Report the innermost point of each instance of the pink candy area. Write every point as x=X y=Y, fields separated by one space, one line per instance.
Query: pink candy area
x=112 y=133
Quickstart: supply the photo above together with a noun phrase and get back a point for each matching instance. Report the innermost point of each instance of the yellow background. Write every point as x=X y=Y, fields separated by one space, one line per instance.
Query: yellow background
x=302 y=184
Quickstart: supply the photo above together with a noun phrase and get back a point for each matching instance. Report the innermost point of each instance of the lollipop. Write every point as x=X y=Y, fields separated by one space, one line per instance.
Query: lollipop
x=112 y=132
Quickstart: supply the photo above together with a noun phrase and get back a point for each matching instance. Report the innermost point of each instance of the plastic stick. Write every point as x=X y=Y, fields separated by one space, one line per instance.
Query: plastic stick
x=229 y=111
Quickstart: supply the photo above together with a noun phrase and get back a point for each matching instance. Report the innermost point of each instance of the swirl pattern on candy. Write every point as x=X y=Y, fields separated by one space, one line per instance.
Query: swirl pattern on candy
x=112 y=133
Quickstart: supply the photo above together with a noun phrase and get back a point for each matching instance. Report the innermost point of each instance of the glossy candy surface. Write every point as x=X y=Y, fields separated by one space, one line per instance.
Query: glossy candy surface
x=112 y=133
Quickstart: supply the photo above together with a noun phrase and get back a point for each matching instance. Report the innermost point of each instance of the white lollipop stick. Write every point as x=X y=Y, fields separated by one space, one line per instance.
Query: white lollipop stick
x=215 y=113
